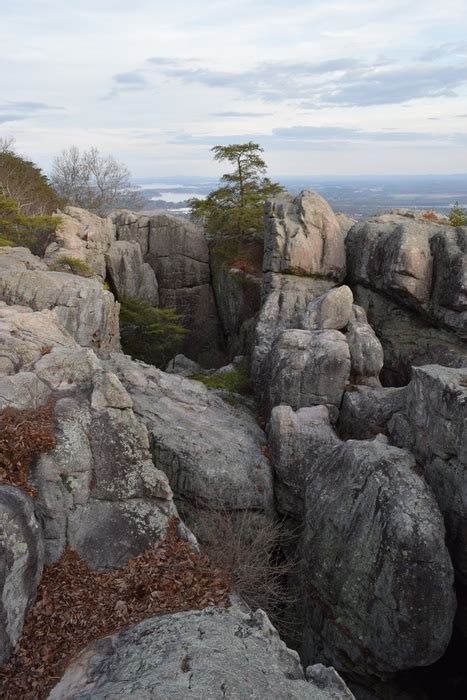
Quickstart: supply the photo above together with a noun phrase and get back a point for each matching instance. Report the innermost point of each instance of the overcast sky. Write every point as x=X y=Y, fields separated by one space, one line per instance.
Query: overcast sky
x=327 y=87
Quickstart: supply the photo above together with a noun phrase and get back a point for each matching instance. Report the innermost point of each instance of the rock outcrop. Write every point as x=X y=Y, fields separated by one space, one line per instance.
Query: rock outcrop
x=433 y=424
x=129 y=276
x=308 y=368
x=410 y=276
x=98 y=490
x=365 y=411
x=376 y=574
x=178 y=254
x=81 y=305
x=211 y=654
x=211 y=452
x=296 y=439
x=366 y=352
x=304 y=257
x=84 y=236
x=21 y=561
x=238 y=300
x=304 y=237
x=285 y=302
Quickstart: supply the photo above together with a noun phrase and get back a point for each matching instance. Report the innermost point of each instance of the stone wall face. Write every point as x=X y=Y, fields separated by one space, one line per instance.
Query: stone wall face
x=178 y=254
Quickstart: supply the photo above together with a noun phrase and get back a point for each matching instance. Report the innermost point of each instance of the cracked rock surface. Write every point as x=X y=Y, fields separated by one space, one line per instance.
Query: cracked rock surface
x=205 y=655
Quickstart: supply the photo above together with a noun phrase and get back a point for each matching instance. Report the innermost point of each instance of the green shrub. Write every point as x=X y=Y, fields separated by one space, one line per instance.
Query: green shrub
x=33 y=232
x=148 y=333
x=22 y=181
x=66 y=263
x=235 y=381
x=4 y=242
x=458 y=216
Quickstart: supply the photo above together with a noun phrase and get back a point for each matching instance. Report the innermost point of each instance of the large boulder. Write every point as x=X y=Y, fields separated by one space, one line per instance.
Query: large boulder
x=295 y=440
x=433 y=424
x=13 y=258
x=376 y=575
x=21 y=562
x=212 y=452
x=205 y=655
x=332 y=310
x=285 y=302
x=98 y=490
x=410 y=275
x=366 y=351
x=304 y=258
x=408 y=339
x=449 y=293
x=392 y=254
x=366 y=411
x=303 y=237
x=308 y=368
x=81 y=305
x=128 y=274
x=82 y=235
x=131 y=226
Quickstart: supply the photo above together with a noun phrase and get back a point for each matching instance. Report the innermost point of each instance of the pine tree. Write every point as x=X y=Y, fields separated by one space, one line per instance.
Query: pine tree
x=236 y=208
x=149 y=333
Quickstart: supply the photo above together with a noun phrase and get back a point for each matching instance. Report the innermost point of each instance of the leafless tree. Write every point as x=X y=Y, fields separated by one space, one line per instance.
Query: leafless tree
x=7 y=144
x=90 y=180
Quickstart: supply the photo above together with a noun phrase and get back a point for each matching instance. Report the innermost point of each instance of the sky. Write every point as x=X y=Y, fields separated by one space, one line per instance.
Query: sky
x=326 y=87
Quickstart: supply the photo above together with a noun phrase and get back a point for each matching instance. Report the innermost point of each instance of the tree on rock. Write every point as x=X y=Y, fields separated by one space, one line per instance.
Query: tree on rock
x=236 y=208
x=92 y=181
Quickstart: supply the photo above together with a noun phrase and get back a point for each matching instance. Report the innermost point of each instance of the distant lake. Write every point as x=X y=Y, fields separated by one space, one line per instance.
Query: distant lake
x=171 y=196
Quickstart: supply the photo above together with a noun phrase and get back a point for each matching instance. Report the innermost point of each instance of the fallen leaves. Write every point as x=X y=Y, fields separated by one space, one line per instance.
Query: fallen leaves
x=23 y=436
x=75 y=606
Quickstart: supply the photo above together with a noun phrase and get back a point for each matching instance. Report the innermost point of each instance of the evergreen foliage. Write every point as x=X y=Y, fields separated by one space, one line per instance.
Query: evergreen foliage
x=149 y=333
x=236 y=208
x=76 y=266
x=235 y=380
x=16 y=228
x=458 y=216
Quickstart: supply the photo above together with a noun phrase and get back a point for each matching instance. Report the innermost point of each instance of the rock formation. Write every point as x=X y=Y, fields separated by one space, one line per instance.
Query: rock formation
x=371 y=476
x=21 y=561
x=179 y=256
x=432 y=423
x=366 y=506
x=129 y=276
x=410 y=276
x=211 y=452
x=84 y=236
x=98 y=490
x=376 y=575
x=213 y=653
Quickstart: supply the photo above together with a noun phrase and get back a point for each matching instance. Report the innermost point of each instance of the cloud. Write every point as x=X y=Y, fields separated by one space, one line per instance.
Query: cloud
x=123 y=82
x=345 y=82
x=233 y=113
x=398 y=84
x=16 y=111
x=451 y=48
x=316 y=137
x=130 y=79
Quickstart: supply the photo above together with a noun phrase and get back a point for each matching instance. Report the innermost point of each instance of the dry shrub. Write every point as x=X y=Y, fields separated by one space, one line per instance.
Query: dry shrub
x=255 y=552
x=430 y=216
x=76 y=606
x=23 y=436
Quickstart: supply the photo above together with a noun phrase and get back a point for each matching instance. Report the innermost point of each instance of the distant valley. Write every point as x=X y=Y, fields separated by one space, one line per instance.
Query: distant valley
x=356 y=196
